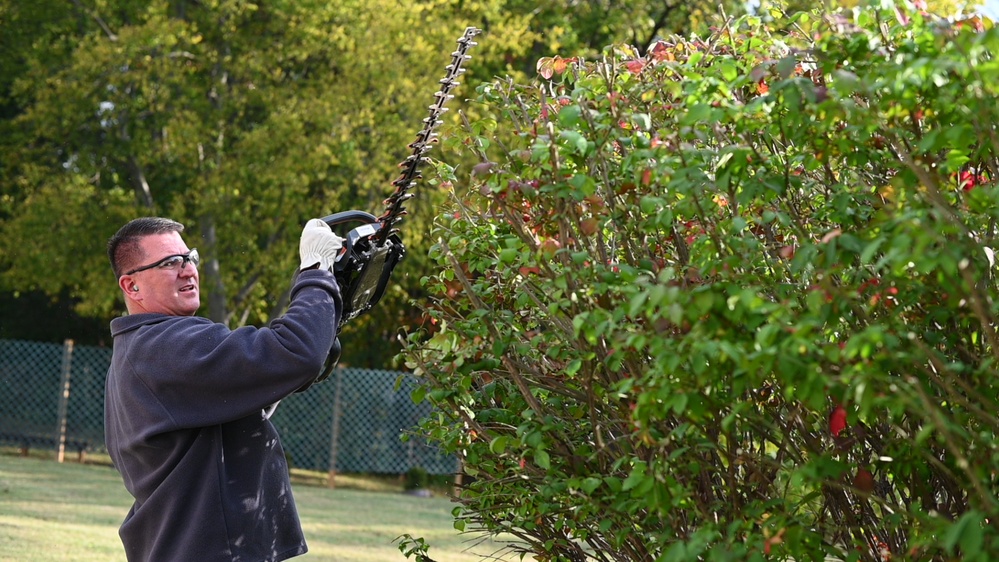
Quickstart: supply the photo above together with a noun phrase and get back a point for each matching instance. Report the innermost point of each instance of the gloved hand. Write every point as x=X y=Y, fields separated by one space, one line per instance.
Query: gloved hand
x=319 y=245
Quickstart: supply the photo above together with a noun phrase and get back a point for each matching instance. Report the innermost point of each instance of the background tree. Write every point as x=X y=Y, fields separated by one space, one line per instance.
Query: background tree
x=733 y=299
x=237 y=120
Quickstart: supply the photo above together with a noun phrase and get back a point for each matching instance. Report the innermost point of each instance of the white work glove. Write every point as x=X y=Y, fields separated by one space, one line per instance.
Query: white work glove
x=319 y=245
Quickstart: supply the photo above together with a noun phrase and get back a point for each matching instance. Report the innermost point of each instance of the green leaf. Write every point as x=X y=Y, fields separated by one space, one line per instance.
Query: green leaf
x=499 y=444
x=729 y=70
x=642 y=121
x=542 y=459
x=967 y=533
x=418 y=394
x=508 y=255
x=870 y=249
x=956 y=159
x=786 y=66
x=590 y=484
x=676 y=553
x=575 y=140
x=569 y=116
x=573 y=367
x=636 y=477
x=650 y=205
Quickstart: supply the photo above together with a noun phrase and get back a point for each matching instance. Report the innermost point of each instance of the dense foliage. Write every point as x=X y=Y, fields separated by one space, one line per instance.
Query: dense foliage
x=732 y=299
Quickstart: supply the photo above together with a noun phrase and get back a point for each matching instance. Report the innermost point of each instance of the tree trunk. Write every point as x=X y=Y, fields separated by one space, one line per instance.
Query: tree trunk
x=143 y=195
x=211 y=275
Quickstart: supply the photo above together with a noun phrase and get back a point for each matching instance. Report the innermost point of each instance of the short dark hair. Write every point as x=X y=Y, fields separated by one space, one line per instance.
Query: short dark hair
x=123 y=247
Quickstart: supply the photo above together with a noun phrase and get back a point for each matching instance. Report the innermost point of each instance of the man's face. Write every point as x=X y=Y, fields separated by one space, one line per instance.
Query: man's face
x=172 y=291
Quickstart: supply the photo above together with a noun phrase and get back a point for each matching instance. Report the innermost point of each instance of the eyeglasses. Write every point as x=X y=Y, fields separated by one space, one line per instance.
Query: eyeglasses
x=175 y=262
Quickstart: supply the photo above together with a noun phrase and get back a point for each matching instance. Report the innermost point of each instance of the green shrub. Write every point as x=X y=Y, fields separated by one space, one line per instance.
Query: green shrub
x=732 y=300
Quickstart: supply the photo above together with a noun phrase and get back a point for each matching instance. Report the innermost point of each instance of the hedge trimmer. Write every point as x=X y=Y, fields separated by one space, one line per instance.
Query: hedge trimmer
x=371 y=251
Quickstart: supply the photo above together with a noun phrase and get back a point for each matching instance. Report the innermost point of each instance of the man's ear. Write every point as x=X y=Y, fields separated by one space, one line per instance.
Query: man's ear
x=128 y=286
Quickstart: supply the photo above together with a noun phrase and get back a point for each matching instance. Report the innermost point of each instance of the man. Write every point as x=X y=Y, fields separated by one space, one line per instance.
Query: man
x=187 y=401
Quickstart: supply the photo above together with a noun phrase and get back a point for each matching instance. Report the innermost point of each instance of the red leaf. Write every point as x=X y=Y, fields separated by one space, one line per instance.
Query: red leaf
x=830 y=235
x=546 y=67
x=560 y=64
x=968 y=180
x=837 y=420
x=635 y=66
x=660 y=52
x=864 y=480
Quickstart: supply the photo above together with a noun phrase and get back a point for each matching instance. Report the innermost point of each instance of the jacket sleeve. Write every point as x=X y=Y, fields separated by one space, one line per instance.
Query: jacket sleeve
x=202 y=373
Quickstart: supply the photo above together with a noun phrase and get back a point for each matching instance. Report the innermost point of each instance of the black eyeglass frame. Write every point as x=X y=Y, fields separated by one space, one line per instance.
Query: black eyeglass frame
x=191 y=257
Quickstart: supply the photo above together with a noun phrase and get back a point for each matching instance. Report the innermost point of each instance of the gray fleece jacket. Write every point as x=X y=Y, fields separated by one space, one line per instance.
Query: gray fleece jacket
x=184 y=427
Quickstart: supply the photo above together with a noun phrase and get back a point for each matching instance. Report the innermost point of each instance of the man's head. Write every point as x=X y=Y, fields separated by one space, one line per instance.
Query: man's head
x=155 y=269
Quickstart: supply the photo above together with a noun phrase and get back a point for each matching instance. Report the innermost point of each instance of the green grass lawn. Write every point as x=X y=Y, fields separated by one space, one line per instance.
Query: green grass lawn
x=52 y=512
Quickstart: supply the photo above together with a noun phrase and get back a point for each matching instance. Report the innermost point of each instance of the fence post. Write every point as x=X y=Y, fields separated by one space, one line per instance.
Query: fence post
x=459 y=479
x=335 y=430
x=60 y=435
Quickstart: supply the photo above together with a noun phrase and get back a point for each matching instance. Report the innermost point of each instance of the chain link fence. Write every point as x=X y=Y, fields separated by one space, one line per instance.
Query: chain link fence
x=53 y=398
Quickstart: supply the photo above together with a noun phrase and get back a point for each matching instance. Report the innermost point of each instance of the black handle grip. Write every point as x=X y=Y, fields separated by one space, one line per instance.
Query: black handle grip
x=349 y=216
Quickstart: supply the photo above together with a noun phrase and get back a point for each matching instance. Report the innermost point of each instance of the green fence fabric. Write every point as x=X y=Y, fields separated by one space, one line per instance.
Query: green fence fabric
x=351 y=423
